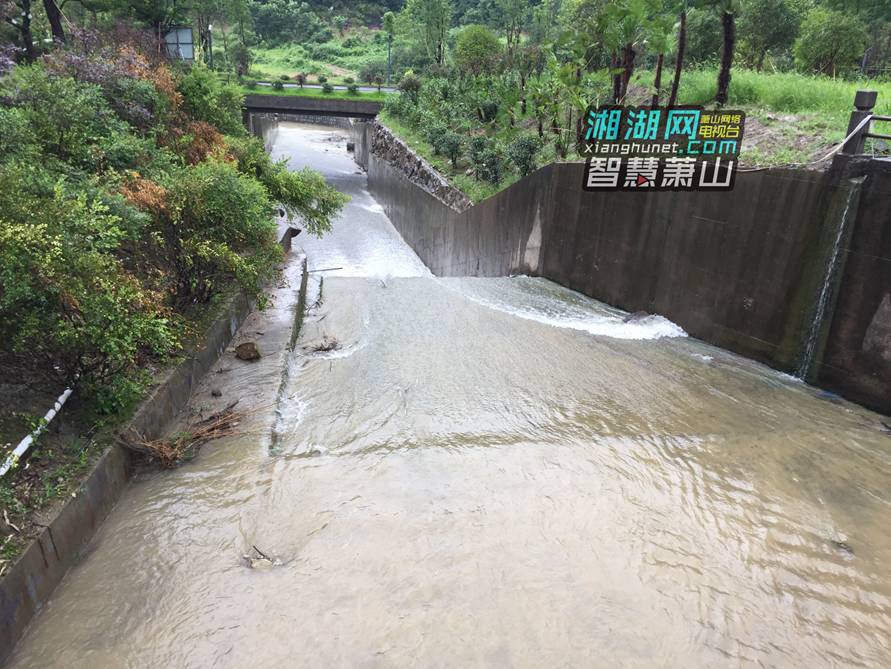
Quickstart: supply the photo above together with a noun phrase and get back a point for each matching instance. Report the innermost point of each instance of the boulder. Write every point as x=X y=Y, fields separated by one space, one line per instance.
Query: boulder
x=247 y=351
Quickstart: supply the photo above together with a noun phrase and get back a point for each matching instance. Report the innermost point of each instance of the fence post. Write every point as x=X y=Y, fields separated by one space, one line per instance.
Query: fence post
x=864 y=101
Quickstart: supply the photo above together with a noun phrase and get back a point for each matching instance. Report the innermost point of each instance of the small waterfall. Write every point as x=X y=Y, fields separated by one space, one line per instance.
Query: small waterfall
x=816 y=328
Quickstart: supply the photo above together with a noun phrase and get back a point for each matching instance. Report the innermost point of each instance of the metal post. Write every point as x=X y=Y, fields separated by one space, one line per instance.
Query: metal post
x=389 y=59
x=864 y=102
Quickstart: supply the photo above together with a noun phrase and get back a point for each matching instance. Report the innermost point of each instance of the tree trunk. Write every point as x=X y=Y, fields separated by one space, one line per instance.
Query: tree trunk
x=55 y=20
x=627 y=68
x=24 y=28
x=617 y=80
x=729 y=24
x=522 y=93
x=540 y=127
x=679 y=61
x=657 y=84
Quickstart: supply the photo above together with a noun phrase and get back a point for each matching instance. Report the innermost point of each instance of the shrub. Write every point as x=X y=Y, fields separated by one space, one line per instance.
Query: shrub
x=250 y=83
x=349 y=80
x=522 y=153
x=477 y=50
x=433 y=130
x=328 y=88
x=285 y=77
x=449 y=144
x=476 y=147
x=304 y=193
x=410 y=85
x=371 y=69
x=352 y=89
x=322 y=78
x=224 y=228
x=65 y=296
x=206 y=99
x=491 y=163
x=64 y=116
x=278 y=86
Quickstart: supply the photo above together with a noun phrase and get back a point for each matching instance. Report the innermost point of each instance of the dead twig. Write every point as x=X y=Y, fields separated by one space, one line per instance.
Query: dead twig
x=169 y=452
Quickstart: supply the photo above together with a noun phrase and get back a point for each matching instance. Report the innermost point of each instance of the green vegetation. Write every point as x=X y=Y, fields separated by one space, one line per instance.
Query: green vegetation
x=131 y=201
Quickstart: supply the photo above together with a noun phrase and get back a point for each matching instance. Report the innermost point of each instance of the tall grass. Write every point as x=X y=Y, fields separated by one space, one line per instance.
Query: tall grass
x=782 y=91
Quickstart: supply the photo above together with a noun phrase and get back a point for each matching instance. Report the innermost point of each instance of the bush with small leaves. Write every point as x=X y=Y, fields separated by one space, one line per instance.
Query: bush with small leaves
x=285 y=77
x=327 y=88
x=352 y=89
x=490 y=166
x=250 y=83
x=410 y=85
x=522 y=153
x=322 y=78
x=449 y=145
x=349 y=80
x=278 y=86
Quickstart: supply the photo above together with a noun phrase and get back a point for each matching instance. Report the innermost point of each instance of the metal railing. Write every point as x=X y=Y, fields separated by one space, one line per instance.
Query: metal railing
x=860 y=125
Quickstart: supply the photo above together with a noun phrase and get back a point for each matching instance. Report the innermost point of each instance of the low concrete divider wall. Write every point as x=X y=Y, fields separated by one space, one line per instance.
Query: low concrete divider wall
x=34 y=576
x=740 y=269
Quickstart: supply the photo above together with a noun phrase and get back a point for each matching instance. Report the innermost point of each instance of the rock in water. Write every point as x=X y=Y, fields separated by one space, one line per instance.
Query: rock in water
x=247 y=351
x=636 y=317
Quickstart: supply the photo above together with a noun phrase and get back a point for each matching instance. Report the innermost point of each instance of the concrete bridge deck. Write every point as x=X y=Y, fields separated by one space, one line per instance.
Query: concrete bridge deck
x=294 y=104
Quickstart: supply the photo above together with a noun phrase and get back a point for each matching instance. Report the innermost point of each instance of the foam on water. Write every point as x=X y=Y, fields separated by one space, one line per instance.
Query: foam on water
x=544 y=302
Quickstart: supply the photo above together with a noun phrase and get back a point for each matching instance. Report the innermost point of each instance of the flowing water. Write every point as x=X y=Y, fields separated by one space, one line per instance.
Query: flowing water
x=816 y=327
x=492 y=472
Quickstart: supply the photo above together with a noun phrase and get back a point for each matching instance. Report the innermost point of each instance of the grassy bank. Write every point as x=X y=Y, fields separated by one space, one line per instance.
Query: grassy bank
x=338 y=59
x=791 y=119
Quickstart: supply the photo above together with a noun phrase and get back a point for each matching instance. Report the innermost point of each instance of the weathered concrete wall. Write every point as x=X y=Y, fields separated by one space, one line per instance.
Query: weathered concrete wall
x=856 y=358
x=741 y=270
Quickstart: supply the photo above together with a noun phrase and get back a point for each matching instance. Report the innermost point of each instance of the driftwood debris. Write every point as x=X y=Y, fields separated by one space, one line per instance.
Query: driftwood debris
x=169 y=452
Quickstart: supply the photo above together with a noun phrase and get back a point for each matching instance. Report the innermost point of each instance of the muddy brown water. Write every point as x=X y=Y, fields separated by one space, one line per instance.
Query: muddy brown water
x=490 y=472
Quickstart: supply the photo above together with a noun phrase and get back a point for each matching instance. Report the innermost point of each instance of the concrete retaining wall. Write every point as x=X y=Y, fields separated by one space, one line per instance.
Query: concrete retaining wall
x=742 y=270
x=31 y=580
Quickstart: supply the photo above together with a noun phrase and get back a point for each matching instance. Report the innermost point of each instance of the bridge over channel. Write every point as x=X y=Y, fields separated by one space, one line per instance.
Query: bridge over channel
x=310 y=106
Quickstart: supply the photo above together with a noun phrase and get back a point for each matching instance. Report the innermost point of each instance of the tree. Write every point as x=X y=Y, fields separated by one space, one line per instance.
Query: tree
x=340 y=23
x=434 y=18
x=829 y=40
x=623 y=26
x=477 y=50
x=765 y=25
x=390 y=29
x=703 y=35
x=679 y=58
x=660 y=42
x=54 y=16
x=18 y=15
x=522 y=152
x=513 y=17
x=727 y=10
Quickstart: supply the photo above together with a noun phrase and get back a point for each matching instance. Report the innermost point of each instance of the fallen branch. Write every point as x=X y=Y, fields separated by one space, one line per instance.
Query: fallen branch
x=169 y=452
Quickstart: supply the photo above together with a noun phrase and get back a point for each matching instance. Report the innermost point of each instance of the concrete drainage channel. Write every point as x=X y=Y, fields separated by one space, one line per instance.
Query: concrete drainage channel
x=31 y=580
